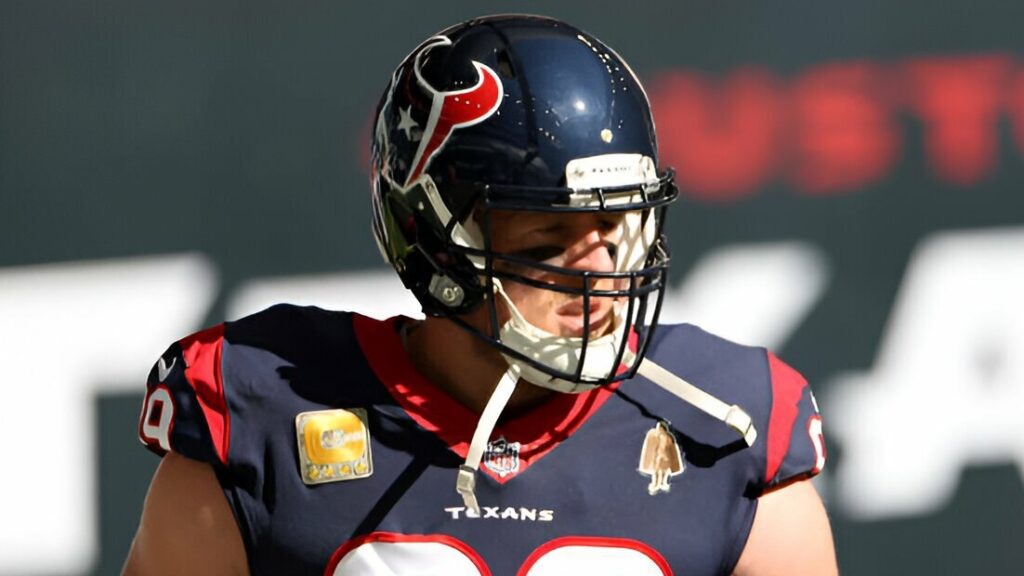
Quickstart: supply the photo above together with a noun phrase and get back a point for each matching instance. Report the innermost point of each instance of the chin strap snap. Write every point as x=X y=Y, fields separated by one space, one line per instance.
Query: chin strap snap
x=734 y=416
x=465 y=484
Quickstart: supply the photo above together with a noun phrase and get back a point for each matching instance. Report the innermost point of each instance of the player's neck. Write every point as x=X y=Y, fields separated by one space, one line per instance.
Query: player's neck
x=464 y=367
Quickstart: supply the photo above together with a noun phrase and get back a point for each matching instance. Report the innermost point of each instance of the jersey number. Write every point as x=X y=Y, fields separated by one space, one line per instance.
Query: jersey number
x=818 y=440
x=158 y=418
x=401 y=555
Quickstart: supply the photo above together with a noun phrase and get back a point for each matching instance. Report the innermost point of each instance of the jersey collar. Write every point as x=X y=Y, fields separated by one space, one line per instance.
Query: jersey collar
x=538 y=430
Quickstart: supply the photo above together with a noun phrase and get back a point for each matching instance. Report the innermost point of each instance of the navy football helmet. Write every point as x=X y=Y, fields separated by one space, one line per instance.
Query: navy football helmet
x=527 y=113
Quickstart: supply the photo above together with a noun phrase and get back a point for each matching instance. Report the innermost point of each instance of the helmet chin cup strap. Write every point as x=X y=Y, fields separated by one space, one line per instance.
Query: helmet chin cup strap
x=465 y=484
x=733 y=416
x=559 y=352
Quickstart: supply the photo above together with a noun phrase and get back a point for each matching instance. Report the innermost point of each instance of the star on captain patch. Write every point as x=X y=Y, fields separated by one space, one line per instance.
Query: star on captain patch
x=333 y=445
x=660 y=458
x=407 y=124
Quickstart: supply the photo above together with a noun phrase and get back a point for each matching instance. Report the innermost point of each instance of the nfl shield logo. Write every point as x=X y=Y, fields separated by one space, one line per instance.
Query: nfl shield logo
x=502 y=457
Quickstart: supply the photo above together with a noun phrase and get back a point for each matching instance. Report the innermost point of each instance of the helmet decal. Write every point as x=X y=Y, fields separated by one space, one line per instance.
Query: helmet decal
x=452 y=110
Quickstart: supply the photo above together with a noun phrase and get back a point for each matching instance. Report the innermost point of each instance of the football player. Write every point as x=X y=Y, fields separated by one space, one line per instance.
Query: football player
x=539 y=420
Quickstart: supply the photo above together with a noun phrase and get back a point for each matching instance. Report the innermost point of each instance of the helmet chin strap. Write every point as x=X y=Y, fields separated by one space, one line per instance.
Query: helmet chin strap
x=733 y=416
x=564 y=354
x=465 y=484
x=549 y=347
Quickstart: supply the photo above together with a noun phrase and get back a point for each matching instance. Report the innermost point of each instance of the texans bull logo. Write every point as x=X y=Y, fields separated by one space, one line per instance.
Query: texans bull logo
x=452 y=110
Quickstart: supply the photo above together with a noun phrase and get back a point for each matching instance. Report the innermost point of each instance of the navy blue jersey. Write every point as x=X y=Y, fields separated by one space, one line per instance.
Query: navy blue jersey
x=337 y=457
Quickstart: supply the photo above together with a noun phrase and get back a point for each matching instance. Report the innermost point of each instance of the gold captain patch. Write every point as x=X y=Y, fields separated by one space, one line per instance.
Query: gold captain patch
x=334 y=445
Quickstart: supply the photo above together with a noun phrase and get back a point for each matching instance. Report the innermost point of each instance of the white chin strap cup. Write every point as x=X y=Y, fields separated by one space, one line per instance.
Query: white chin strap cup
x=559 y=352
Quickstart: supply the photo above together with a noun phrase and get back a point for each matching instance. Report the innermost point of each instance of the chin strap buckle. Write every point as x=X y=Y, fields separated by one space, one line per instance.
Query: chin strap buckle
x=465 y=485
x=738 y=419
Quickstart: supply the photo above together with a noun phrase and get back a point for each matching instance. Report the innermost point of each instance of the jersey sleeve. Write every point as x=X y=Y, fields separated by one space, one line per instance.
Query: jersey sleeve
x=185 y=410
x=795 y=447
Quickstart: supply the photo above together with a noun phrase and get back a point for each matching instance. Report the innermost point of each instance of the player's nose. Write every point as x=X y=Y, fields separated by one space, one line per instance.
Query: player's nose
x=593 y=251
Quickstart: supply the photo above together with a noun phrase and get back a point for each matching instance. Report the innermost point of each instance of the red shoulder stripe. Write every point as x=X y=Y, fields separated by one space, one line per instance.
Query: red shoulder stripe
x=787 y=387
x=202 y=352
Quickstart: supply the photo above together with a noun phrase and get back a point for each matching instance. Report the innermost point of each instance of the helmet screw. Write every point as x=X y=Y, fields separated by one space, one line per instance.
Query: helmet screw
x=446 y=290
x=451 y=294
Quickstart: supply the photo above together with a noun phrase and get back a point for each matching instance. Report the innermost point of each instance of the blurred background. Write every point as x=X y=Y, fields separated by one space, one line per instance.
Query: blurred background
x=851 y=178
